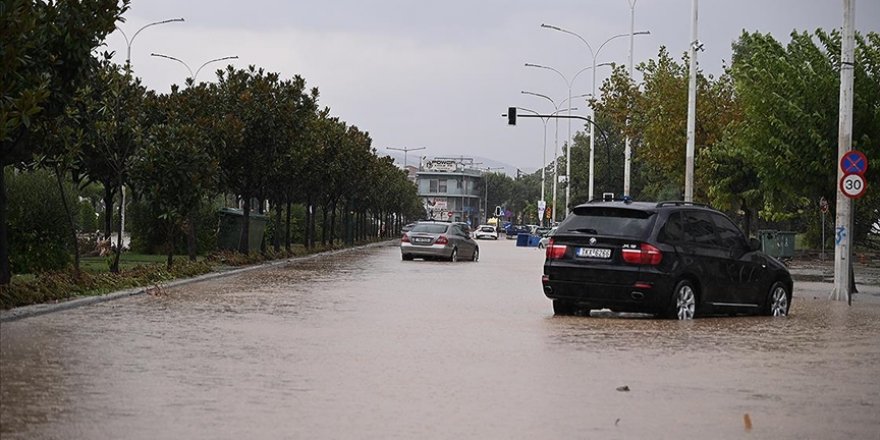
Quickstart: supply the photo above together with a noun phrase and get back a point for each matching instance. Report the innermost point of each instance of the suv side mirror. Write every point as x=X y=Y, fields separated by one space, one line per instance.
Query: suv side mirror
x=754 y=244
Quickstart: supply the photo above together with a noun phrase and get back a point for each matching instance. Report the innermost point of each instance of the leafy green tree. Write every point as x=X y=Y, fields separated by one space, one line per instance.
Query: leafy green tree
x=173 y=173
x=46 y=49
x=782 y=156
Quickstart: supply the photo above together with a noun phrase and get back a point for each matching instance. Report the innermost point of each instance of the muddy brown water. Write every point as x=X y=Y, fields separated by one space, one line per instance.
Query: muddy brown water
x=362 y=345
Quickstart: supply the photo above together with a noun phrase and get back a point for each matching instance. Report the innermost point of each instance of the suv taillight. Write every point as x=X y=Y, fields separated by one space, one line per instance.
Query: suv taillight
x=645 y=254
x=554 y=251
x=441 y=240
x=405 y=238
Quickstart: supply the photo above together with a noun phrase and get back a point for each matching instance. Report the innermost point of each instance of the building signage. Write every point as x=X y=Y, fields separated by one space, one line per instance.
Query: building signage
x=441 y=165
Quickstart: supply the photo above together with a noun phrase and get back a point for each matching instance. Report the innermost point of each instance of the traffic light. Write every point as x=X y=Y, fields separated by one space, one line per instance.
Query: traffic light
x=511 y=115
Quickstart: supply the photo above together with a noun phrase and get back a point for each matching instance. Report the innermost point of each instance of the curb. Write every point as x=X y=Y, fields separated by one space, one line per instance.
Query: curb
x=42 y=309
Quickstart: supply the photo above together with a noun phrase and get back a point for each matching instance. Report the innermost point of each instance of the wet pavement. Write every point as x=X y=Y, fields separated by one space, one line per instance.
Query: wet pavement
x=363 y=345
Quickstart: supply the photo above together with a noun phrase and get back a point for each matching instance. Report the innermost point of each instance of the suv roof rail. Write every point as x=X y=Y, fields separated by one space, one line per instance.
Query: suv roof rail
x=680 y=203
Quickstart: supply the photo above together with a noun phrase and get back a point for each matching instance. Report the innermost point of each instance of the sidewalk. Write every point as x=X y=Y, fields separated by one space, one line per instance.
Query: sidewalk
x=814 y=277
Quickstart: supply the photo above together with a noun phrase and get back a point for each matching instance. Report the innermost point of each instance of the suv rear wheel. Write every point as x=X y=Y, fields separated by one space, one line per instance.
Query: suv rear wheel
x=563 y=308
x=684 y=301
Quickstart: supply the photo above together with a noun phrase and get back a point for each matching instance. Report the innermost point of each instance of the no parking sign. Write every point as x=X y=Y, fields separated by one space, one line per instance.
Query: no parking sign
x=854 y=164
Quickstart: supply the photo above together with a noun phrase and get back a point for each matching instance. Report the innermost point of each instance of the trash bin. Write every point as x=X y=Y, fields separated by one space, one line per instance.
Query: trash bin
x=768 y=241
x=231 y=221
x=534 y=240
x=785 y=244
x=522 y=239
x=778 y=244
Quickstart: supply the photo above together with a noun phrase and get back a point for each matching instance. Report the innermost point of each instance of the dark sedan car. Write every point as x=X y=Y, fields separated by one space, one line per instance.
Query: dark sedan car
x=673 y=259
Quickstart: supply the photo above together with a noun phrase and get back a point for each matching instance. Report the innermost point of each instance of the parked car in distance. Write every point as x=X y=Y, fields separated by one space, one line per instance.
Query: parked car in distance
x=432 y=240
x=513 y=230
x=674 y=259
x=545 y=237
x=487 y=232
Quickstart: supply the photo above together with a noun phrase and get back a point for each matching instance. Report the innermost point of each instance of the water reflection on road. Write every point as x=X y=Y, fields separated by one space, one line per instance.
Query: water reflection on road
x=363 y=345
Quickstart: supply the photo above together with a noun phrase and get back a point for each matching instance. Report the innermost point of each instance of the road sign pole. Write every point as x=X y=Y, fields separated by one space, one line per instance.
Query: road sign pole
x=843 y=230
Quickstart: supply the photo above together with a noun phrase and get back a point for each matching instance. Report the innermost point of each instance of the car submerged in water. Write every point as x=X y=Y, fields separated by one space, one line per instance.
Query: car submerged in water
x=672 y=259
x=435 y=240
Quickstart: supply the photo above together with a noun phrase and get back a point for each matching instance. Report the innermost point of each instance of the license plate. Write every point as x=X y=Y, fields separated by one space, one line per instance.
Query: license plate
x=594 y=252
x=421 y=240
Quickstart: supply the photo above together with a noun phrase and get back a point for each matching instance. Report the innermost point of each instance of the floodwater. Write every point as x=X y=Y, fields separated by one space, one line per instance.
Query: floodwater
x=362 y=345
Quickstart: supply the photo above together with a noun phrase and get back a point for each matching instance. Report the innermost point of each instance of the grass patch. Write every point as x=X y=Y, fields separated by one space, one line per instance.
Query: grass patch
x=135 y=270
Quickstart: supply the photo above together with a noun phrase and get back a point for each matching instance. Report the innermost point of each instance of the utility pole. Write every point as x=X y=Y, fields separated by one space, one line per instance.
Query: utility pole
x=692 y=110
x=844 y=218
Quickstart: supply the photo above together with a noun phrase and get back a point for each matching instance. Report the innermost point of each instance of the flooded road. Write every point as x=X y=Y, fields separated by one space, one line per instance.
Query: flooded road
x=363 y=345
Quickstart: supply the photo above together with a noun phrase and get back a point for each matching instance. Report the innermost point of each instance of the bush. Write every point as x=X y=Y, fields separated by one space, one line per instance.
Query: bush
x=39 y=235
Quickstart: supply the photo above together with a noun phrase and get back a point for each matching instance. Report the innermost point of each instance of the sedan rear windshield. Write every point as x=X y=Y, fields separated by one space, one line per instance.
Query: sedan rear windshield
x=429 y=228
x=487 y=229
x=619 y=222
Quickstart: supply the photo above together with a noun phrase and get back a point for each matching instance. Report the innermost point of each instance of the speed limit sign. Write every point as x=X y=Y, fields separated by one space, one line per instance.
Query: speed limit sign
x=853 y=185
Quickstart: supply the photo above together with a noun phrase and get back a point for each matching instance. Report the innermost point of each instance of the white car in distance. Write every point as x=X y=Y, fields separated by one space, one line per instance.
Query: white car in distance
x=486 y=231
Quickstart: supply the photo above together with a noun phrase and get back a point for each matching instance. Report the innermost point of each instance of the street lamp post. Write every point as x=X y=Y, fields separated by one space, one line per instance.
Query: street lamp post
x=555 y=149
x=594 y=54
x=191 y=75
x=128 y=43
x=406 y=150
x=569 y=84
x=544 y=168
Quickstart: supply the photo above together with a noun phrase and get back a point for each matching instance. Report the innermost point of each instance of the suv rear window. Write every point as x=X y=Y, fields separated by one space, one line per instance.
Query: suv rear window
x=603 y=220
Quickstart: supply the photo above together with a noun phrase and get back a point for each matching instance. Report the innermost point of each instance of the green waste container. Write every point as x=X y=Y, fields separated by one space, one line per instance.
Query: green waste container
x=779 y=244
x=231 y=221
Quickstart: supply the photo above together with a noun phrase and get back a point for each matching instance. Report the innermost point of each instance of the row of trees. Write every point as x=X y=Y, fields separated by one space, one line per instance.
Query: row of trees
x=252 y=134
x=766 y=132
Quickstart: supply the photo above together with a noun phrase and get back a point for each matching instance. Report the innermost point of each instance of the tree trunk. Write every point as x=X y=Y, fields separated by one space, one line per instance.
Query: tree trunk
x=5 y=272
x=191 y=243
x=324 y=225
x=114 y=266
x=287 y=227
x=333 y=223
x=170 y=260
x=276 y=237
x=70 y=221
x=243 y=245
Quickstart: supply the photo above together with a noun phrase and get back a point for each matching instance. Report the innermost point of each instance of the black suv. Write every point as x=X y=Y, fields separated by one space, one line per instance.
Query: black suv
x=674 y=259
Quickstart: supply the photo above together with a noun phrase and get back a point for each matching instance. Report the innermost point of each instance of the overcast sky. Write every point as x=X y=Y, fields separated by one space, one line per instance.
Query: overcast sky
x=439 y=74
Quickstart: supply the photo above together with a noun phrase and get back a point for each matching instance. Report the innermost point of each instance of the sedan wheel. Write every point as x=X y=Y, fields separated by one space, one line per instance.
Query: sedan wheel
x=454 y=257
x=777 y=300
x=476 y=256
x=684 y=301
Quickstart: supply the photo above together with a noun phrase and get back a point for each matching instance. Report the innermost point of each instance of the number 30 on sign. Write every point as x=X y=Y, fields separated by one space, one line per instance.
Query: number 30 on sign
x=853 y=186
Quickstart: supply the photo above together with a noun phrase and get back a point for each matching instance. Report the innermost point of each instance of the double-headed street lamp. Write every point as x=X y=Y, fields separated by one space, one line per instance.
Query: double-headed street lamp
x=569 y=84
x=128 y=43
x=594 y=54
x=406 y=150
x=192 y=75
